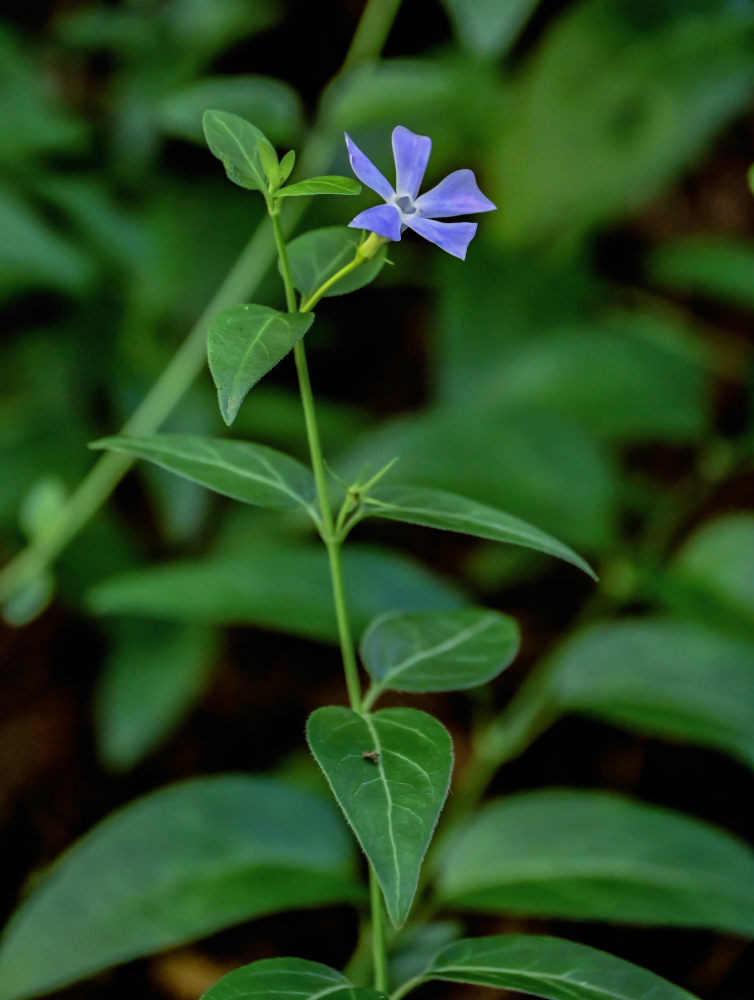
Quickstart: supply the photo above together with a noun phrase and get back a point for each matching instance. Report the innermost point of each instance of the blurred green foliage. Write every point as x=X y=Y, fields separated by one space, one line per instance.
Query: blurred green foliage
x=588 y=367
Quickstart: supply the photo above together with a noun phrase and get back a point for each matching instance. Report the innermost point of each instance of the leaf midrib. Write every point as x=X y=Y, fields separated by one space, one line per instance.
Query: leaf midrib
x=438 y=649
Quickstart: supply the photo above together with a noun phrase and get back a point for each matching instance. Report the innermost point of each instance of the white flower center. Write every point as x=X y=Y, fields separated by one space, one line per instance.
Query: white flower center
x=405 y=204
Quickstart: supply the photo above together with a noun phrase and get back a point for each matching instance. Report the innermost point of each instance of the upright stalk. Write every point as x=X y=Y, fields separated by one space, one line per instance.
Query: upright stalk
x=347 y=649
x=333 y=544
x=379 y=949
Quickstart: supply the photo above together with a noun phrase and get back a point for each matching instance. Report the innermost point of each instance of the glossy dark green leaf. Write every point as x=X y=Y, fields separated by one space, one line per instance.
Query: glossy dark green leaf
x=236 y=143
x=550 y=968
x=321 y=185
x=244 y=343
x=444 y=651
x=251 y=473
x=594 y=856
x=287 y=979
x=671 y=678
x=181 y=863
x=283 y=586
x=155 y=674
x=448 y=512
x=390 y=774
x=318 y=255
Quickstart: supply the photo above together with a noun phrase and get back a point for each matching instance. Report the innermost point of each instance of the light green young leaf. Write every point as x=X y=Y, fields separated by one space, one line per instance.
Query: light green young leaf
x=392 y=798
x=237 y=143
x=318 y=255
x=244 y=343
x=154 y=676
x=671 y=678
x=448 y=512
x=287 y=164
x=287 y=979
x=178 y=864
x=284 y=586
x=550 y=968
x=489 y=27
x=594 y=856
x=444 y=651
x=321 y=185
x=251 y=473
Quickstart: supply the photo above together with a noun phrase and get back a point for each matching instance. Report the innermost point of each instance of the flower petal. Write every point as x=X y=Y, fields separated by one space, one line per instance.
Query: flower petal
x=453 y=237
x=366 y=171
x=457 y=194
x=385 y=220
x=411 y=154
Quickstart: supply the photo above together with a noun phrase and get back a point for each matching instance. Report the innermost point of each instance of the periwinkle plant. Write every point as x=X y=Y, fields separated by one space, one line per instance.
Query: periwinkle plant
x=389 y=769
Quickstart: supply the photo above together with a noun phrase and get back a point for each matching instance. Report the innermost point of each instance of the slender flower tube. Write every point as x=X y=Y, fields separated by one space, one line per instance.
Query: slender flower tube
x=457 y=194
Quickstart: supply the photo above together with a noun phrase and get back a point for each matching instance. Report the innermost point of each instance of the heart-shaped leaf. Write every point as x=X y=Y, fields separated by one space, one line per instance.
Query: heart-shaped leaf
x=287 y=979
x=318 y=255
x=251 y=473
x=329 y=184
x=390 y=773
x=438 y=652
x=180 y=863
x=244 y=343
x=237 y=144
x=550 y=968
x=449 y=512
x=594 y=856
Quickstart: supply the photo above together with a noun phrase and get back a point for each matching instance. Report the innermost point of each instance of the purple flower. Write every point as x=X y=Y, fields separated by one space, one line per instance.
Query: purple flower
x=458 y=194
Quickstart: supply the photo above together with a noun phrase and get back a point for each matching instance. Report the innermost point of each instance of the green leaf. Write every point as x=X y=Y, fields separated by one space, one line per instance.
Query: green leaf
x=271 y=103
x=488 y=27
x=391 y=799
x=549 y=471
x=717 y=269
x=671 y=678
x=287 y=164
x=712 y=576
x=550 y=968
x=321 y=185
x=594 y=856
x=444 y=651
x=287 y=979
x=251 y=473
x=318 y=255
x=268 y=589
x=237 y=143
x=244 y=343
x=448 y=512
x=633 y=378
x=178 y=864
x=154 y=676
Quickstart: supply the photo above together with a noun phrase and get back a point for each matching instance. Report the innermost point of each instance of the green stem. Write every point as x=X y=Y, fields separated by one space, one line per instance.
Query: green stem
x=239 y=285
x=378 y=934
x=348 y=652
x=372 y=31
